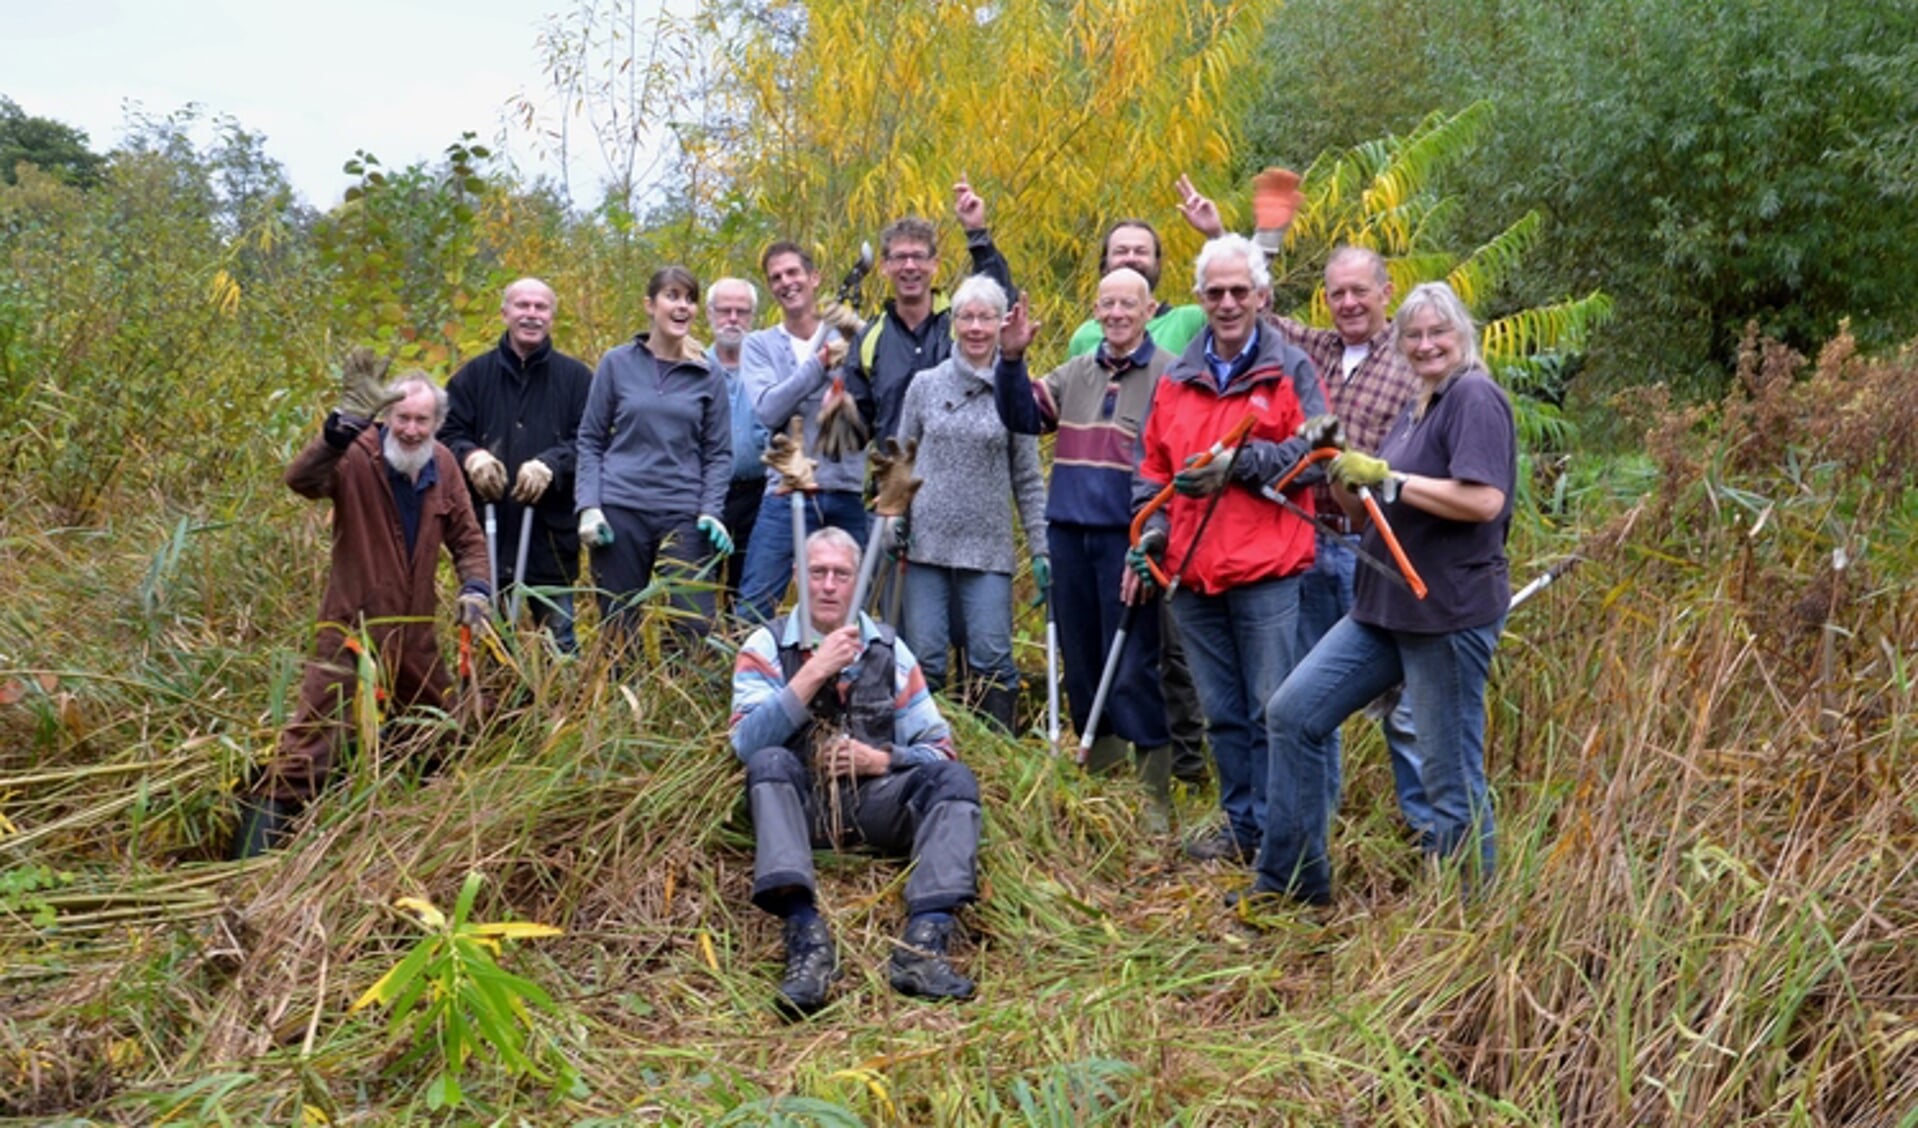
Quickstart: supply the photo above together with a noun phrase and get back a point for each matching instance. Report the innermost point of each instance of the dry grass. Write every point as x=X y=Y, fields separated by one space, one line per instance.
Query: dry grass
x=1708 y=910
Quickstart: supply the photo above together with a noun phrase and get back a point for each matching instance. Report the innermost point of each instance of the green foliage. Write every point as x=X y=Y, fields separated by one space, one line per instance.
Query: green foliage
x=57 y=149
x=407 y=264
x=452 y=999
x=1711 y=162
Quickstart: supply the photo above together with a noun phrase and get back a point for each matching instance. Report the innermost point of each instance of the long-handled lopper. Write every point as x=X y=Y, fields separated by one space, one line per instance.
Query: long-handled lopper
x=492 y=549
x=1052 y=676
x=519 y=564
x=1233 y=440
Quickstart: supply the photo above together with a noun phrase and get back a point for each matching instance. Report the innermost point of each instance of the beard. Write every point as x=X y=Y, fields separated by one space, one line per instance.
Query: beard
x=407 y=462
x=729 y=338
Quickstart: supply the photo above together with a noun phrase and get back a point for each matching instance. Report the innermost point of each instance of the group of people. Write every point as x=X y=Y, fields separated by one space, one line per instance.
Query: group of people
x=1218 y=474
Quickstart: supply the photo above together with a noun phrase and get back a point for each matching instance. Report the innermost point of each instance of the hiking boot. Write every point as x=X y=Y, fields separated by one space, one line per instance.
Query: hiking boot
x=812 y=963
x=919 y=964
x=263 y=826
x=1001 y=704
x=1221 y=846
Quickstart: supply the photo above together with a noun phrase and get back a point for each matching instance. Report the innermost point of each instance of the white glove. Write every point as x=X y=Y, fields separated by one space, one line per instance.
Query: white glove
x=488 y=474
x=534 y=477
x=593 y=529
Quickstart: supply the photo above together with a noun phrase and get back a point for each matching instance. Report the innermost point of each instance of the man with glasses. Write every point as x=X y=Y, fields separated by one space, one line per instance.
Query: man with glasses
x=730 y=306
x=843 y=746
x=1235 y=554
x=914 y=332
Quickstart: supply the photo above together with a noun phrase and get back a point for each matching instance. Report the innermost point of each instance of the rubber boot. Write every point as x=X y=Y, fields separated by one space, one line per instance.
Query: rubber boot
x=919 y=965
x=263 y=826
x=812 y=963
x=1107 y=754
x=1155 y=771
x=997 y=702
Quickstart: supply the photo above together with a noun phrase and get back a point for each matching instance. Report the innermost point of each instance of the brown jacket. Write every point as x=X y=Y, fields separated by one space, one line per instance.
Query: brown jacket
x=372 y=575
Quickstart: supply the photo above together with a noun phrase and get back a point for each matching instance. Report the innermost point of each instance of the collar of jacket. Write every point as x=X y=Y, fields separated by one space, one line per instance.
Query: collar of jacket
x=1137 y=358
x=512 y=358
x=699 y=363
x=1266 y=365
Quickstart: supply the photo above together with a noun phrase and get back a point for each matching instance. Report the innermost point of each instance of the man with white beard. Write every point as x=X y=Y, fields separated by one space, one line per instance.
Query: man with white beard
x=731 y=304
x=397 y=500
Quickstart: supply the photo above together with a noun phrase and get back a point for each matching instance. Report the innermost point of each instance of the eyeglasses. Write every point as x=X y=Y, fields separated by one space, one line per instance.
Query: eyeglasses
x=908 y=258
x=1216 y=294
x=975 y=317
x=824 y=572
x=730 y=311
x=1420 y=336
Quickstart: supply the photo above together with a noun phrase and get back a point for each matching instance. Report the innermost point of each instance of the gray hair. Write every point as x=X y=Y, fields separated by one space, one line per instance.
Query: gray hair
x=752 y=291
x=1365 y=255
x=832 y=536
x=1439 y=298
x=414 y=378
x=981 y=289
x=1232 y=246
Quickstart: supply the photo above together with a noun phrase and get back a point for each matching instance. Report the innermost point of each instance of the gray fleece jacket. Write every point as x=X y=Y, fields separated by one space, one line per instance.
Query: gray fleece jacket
x=973 y=469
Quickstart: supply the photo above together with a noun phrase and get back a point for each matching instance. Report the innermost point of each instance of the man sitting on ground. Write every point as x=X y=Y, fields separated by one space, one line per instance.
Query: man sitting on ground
x=843 y=746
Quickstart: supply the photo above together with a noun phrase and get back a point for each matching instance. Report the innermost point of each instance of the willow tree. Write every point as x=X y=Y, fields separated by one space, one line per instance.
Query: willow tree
x=1064 y=115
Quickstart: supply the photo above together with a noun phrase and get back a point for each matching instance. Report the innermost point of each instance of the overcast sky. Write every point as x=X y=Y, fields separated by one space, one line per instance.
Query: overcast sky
x=399 y=78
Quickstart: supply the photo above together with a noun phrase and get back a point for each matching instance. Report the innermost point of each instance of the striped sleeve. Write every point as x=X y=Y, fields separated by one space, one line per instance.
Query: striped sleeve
x=766 y=712
x=920 y=735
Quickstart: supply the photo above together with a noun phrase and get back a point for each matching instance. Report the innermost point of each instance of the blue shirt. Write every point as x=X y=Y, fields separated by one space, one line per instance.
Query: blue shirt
x=1223 y=371
x=406 y=494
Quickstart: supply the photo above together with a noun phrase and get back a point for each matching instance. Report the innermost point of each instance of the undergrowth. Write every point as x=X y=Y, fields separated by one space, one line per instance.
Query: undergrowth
x=1701 y=743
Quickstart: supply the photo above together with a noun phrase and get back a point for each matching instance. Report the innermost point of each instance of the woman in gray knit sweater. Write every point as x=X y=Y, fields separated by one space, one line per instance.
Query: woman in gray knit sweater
x=962 y=554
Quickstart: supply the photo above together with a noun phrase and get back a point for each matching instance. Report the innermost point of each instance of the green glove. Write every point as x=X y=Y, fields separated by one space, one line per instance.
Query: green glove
x=1353 y=470
x=1042 y=573
x=1203 y=481
x=1151 y=544
x=715 y=531
x=363 y=390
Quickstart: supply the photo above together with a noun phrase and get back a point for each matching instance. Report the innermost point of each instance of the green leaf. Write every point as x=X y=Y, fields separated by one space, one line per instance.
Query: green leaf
x=469 y=890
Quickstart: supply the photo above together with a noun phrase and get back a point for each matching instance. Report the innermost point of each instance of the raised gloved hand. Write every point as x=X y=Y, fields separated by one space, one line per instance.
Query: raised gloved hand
x=832 y=353
x=1204 y=478
x=593 y=529
x=472 y=609
x=1275 y=200
x=1322 y=431
x=892 y=473
x=530 y=485
x=1353 y=470
x=716 y=534
x=363 y=390
x=841 y=317
x=1151 y=545
x=488 y=474
x=786 y=455
x=1042 y=574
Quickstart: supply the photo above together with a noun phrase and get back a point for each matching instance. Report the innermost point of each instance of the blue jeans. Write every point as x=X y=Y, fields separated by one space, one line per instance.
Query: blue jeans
x=1239 y=645
x=769 y=550
x=1444 y=677
x=1325 y=595
x=983 y=601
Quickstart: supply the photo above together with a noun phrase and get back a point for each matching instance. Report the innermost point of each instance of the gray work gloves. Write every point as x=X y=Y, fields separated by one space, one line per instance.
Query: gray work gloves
x=488 y=474
x=530 y=485
x=363 y=390
x=594 y=532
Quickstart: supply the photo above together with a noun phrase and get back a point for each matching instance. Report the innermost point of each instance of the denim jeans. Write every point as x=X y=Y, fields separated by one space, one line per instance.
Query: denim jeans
x=1325 y=595
x=769 y=550
x=1239 y=644
x=1444 y=677
x=983 y=600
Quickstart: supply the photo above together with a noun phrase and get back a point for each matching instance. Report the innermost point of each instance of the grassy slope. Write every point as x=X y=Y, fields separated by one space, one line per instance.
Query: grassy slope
x=1709 y=827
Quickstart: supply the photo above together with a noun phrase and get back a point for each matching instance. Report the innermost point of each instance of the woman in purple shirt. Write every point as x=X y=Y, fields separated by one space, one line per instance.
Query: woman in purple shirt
x=1444 y=477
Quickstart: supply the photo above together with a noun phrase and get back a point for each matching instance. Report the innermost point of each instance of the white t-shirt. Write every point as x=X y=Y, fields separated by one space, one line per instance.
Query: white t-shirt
x=1354 y=356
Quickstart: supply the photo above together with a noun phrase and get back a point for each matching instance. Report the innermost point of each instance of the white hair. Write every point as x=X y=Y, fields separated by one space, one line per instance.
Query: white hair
x=981 y=289
x=752 y=291
x=832 y=536
x=417 y=378
x=1440 y=299
x=1232 y=246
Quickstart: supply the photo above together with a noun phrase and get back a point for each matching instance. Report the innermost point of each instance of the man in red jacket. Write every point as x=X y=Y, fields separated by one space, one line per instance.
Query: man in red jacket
x=1238 y=555
x=397 y=500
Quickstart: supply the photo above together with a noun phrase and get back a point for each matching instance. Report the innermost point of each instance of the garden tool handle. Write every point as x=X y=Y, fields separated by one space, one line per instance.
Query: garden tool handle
x=1232 y=440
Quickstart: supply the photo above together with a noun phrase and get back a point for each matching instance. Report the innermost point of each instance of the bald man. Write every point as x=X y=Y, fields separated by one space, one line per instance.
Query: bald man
x=512 y=423
x=1097 y=403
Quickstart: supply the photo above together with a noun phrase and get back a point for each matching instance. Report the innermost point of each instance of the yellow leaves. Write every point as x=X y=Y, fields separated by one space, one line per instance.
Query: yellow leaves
x=875 y=1084
x=428 y=914
x=223 y=293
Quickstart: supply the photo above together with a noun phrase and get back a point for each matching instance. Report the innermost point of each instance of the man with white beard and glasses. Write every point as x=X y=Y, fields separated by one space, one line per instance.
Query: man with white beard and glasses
x=397 y=501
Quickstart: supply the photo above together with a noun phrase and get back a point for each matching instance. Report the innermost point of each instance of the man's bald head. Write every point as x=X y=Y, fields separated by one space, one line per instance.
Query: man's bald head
x=1124 y=306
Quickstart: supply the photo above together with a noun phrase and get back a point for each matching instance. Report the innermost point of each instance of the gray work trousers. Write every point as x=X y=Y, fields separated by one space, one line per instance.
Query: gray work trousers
x=929 y=812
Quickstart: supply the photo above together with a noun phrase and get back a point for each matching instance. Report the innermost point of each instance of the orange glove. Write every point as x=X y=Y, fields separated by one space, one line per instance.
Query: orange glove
x=1275 y=198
